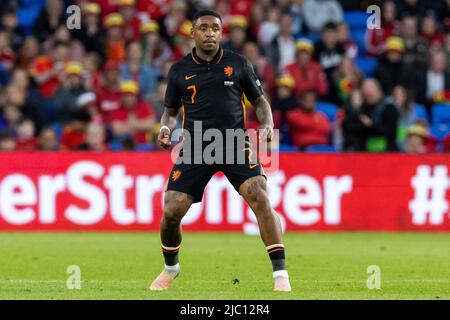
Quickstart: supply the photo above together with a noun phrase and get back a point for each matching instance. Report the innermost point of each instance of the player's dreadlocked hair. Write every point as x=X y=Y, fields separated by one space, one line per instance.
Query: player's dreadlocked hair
x=205 y=12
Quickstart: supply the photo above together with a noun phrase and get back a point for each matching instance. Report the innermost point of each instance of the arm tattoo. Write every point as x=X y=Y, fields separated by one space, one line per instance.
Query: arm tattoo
x=263 y=111
x=169 y=118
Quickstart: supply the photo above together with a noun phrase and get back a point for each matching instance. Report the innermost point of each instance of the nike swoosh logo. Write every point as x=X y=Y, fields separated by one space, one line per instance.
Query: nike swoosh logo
x=189 y=77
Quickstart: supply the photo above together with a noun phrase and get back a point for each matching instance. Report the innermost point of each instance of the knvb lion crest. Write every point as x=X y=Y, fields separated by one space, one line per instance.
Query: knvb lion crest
x=228 y=71
x=176 y=175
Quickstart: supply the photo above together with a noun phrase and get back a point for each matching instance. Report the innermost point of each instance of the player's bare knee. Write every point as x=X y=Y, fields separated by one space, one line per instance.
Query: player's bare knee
x=176 y=205
x=255 y=192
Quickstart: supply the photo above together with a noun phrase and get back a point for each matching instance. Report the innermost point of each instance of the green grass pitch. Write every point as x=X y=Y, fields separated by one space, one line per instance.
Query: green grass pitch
x=321 y=266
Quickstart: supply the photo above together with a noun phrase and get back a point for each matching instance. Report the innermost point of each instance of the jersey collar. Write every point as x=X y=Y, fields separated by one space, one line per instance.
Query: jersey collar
x=216 y=59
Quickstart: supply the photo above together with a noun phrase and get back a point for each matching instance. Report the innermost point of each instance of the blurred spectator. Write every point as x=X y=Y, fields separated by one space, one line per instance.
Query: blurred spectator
x=134 y=118
x=46 y=70
x=281 y=51
x=157 y=98
x=50 y=18
x=133 y=69
x=95 y=138
x=285 y=99
x=329 y=52
x=48 y=140
x=353 y=130
x=9 y=22
x=67 y=94
x=444 y=12
x=416 y=49
x=8 y=4
x=350 y=46
x=28 y=52
x=74 y=133
x=22 y=96
x=347 y=77
x=407 y=109
x=298 y=20
x=11 y=116
x=433 y=84
x=108 y=94
x=261 y=65
x=62 y=35
x=318 y=13
x=170 y=23
x=392 y=69
x=380 y=118
x=376 y=37
x=91 y=33
x=7 y=142
x=88 y=101
x=308 y=126
x=447 y=49
x=155 y=51
x=127 y=8
x=92 y=74
x=429 y=32
x=115 y=39
x=7 y=57
x=415 y=142
x=411 y=7
x=25 y=135
x=238 y=34
x=407 y=113
x=183 y=42
x=256 y=19
x=308 y=74
x=270 y=27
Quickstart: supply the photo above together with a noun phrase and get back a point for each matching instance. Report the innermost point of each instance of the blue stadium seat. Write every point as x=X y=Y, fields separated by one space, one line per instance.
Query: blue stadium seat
x=359 y=36
x=356 y=19
x=439 y=130
x=58 y=128
x=287 y=148
x=421 y=112
x=320 y=148
x=27 y=14
x=145 y=147
x=311 y=37
x=366 y=65
x=115 y=146
x=440 y=114
x=330 y=109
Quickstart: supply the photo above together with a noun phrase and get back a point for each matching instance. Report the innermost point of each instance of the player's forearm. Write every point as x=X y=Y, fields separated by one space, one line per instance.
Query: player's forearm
x=263 y=111
x=169 y=118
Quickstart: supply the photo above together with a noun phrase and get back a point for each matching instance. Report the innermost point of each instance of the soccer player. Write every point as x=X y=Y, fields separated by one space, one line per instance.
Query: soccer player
x=209 y=83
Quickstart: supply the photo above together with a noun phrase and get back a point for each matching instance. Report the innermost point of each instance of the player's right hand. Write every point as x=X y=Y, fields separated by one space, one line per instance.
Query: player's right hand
x=164 y=138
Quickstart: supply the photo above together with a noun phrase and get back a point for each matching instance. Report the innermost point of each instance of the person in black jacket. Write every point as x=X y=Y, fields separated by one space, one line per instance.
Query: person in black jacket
x=379 y=116
x=392 y=71
x=353 y=129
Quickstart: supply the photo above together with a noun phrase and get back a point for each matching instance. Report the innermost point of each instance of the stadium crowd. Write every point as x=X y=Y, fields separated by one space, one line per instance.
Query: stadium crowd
x=334 y=84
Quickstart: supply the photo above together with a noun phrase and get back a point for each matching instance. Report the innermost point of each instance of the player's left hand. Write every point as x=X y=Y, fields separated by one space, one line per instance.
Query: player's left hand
x=265 y=133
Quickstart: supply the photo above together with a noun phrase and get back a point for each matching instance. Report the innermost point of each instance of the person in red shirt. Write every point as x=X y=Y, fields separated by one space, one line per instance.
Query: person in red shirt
x=306 y=125
x=46 y=70
x=108 y=94
x=131 y=29
x=308 y=74
x=25 y=135
x=154 y=9
x=74 y=133
x=430 y=33
x=134 y=118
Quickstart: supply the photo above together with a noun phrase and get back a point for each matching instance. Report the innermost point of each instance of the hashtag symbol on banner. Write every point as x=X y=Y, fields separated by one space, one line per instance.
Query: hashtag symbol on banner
x=429 y=195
